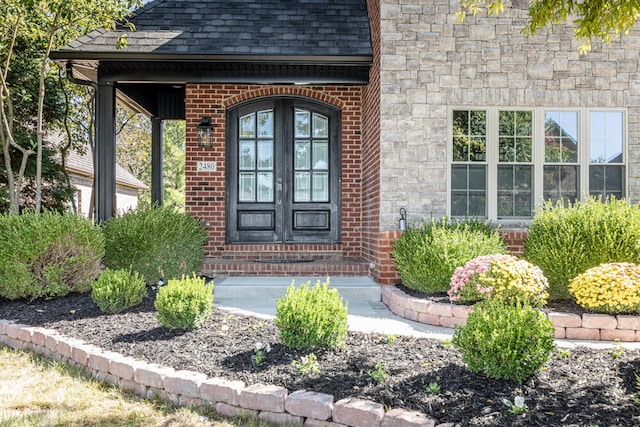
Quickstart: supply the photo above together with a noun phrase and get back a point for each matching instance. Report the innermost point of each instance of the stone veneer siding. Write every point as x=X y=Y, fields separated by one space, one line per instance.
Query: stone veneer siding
x=572 y=326
x=228 y=397
x=430 y=63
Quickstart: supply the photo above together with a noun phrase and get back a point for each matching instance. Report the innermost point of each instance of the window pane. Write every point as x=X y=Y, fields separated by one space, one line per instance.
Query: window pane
x=265 y=155
x=606 y=181
x=321 y=155
x=468 y=195
x=247 y=184
x=248 y=126
x=469 y=136
x=514 y=191
x=247 y=154
x=606 y=137
x=265 y=187
x=302 y=124
x=561 y=137
x=515 y=138
x=560 y=183
x=302 y=184
x=265 y=124
x=320 y=126
x=320 y=187
x=303 y=155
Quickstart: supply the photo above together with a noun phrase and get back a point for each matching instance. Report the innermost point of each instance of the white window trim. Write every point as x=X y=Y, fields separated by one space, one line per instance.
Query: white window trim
x=537 y=154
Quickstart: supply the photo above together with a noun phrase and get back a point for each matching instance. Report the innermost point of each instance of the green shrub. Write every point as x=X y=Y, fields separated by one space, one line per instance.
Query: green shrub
x=117 y=290
x=48 y=255
x=312 y=317
x=612 y=288
x=567 y=241
x=499 y=276
x=427 y=254
x=156 y=242
x=184 y=303
x=505 y=341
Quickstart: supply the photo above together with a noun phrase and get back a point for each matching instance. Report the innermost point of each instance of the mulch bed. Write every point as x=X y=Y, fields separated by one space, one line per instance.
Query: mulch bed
x=588 y=387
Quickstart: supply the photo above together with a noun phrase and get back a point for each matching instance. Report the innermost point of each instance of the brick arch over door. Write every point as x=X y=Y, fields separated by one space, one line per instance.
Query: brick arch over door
x=206 y=192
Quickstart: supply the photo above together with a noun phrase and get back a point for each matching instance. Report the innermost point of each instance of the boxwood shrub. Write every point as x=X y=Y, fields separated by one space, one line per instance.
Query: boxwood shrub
x=48 y=255
x=565 y=241
x=156 y=242
x=427 y=254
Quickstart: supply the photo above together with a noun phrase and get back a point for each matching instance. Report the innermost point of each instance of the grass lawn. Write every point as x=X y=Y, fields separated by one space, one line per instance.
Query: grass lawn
x=35 y=391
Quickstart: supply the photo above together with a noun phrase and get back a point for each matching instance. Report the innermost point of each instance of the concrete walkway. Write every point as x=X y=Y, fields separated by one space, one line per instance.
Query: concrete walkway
x=256 y=296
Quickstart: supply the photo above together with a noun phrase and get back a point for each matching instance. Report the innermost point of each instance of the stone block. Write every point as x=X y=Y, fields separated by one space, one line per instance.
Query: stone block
x=626 y=335
x=450 y=322
x=24 y=334
x=582 y=334
x=186 y=383
x=404 y=418
x=51 y=342
x=122 y=367
x=559 y=333
x=565 y=320
x=13 y=329
x=64 y=349
x=152 y=375
x=429 y=319
x=80 y=355
x=441 y=309
x=38 y=336
x=263 y=397
x=99 y=361
x=358 y=413
x=410 y=314
x=309 y=404
x=190 y=401
x=462 y=311
x=628 y=322
x=227 y=410
x=216 y=390
x=281 y=418
x=419 y=305
x=311 y=422
x=599 y=321
x=3 y=326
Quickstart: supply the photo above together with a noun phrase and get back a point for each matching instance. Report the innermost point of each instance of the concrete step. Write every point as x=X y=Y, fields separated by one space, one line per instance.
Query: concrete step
x=360 y=289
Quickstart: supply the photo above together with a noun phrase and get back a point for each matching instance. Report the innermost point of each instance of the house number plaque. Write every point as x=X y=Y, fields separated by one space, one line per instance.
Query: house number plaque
x=206 y=167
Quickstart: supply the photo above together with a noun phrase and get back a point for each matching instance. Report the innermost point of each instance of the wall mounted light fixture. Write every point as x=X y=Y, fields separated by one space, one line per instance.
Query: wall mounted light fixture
x=205 y=138
x=403 y=219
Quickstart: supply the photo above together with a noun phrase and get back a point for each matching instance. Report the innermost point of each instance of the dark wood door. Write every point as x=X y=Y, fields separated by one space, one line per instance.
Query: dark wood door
x=283 y=172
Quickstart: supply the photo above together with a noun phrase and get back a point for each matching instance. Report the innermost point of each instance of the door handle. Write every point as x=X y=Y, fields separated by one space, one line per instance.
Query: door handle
x=279 y=192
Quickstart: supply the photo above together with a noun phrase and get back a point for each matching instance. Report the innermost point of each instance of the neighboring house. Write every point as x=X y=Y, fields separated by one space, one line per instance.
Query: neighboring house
x=80 y=170
x=326 y=118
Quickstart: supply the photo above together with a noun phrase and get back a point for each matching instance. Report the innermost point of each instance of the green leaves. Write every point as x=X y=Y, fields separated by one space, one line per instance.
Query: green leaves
x=185 y=303
x=117 y=290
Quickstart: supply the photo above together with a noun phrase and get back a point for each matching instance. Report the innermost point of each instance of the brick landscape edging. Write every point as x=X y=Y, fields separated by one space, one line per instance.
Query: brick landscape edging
x=227 y=397
x=588 y=326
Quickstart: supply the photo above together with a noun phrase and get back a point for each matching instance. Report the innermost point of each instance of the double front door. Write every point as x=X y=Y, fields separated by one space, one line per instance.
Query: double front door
x=283 y=172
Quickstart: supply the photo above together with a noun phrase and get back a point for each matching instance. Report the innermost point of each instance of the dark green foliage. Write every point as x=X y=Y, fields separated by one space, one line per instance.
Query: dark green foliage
x=312 y=317
x=117 y=290
x=427 y=254
x=156 y=242
x=567 y=241
x=47 y=255
x=505 y=341
x=184 y=303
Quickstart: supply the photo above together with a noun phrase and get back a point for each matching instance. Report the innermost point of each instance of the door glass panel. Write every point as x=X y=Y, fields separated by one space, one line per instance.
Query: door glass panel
x=302 y=155
x=247 y=154
x=247 y=187
x=320 y=187
x=302 y=187
x=302 y=124
x=248 y=126
x=320 y=126
x=265 y=155
x=265 y=124
x=265 y=186
x=321 y=155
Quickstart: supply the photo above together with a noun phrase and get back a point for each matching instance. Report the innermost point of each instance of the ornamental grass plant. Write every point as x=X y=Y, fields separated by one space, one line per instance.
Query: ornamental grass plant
x=427 y=254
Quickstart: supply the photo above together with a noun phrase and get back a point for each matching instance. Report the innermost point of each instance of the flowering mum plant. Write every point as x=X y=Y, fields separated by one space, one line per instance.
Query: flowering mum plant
x=608 y=288
x=498 y=276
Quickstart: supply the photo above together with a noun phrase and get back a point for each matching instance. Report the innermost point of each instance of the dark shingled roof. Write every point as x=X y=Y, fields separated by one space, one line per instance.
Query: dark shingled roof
x=170 y=28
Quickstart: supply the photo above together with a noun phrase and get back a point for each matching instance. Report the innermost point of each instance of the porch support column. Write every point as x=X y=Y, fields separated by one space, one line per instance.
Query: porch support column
x=105 y=152
x=156 y=161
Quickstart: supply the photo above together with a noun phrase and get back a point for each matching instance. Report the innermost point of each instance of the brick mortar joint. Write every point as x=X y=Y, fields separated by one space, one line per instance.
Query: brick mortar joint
x=112 y=356
x=402 y=302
